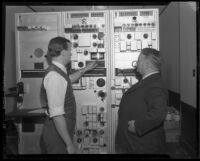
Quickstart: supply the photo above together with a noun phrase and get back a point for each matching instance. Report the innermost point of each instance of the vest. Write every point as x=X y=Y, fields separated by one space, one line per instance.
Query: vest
x=69 y=104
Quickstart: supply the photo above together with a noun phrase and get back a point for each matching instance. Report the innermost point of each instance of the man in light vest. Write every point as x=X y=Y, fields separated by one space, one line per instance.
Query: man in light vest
x=60 y=122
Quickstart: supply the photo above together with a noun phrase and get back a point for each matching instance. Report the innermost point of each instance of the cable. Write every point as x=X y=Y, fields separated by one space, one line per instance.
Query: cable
x=31 y=8
x=163 y=10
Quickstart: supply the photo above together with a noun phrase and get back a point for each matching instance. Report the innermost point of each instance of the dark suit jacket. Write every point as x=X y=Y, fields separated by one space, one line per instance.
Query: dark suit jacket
x=145 y=102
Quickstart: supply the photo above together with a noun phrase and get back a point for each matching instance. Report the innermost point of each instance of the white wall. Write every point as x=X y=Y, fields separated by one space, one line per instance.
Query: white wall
x=9 y=57
x=188 y=50
x=170 y=46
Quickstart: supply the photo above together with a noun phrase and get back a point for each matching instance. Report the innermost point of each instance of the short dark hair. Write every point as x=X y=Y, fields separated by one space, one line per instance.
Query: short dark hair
x=154 y=55
x=56 y=45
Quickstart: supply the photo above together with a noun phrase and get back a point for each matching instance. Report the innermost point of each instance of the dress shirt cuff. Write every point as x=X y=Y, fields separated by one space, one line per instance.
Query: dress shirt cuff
x=56 y=112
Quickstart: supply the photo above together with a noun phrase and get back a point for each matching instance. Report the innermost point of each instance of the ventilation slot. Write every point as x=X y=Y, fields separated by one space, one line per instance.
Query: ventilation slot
x=79 y=15
x=128 y=13
x=146 y=13
x=97 y=14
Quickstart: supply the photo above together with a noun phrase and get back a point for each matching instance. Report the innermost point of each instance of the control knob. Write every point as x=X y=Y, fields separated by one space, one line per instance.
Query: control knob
x=101 y=82
x=85 y=52
x=129 y=36
x=145 y=36
x=75 y=45
x=102 y=94
x=80 y=64
x=94 y=36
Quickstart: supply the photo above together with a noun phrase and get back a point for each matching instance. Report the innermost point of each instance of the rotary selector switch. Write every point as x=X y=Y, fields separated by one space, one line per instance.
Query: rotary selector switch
x=75 y=45
x=102 y=94
x=102 y=109
x=85 y=52
x=94 y=36
x=129 y=36
x=145 y=36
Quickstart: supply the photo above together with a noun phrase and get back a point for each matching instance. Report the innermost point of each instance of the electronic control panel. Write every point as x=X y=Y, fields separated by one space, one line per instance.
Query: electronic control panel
x=88 y=33
x=132 y=30
x=113 y=38
x=33 y=32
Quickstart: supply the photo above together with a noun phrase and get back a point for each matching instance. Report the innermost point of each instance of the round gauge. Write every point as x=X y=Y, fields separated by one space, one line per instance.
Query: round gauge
x=101 y=82
x=38 y=52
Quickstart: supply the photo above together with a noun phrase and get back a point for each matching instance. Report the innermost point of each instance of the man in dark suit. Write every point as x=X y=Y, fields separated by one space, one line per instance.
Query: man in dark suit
x=142 y=109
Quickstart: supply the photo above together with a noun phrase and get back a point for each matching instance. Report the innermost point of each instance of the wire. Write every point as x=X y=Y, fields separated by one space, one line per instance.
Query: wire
x=31 y=8
x=163 y=10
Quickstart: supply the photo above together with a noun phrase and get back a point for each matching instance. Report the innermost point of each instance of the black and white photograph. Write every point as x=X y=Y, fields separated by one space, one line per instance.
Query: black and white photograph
x=117 y=79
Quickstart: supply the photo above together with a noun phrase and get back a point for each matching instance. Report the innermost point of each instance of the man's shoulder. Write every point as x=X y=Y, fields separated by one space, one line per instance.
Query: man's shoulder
x=53 y=75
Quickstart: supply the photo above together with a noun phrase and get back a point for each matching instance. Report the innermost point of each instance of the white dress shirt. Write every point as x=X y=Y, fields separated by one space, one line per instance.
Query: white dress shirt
x=55 y=86
x=150 y=74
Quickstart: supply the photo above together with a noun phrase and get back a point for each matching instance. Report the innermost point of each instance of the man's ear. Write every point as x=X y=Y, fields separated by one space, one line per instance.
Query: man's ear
x=62 y=52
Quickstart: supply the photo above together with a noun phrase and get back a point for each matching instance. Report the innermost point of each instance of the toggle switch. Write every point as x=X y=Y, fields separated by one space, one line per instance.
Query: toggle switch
x=94 y=44
x=101 y=132
x=79 y=132
x=95 y=140
x=75 y=36
x=79 y=140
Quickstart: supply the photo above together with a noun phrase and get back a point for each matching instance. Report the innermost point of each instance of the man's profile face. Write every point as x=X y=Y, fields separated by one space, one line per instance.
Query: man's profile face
x=140 y=63
x=68 y=54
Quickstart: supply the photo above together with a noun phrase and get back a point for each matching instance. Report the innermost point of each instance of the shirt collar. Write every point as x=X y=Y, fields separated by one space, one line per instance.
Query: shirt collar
x=150 y=74
x=61 y=66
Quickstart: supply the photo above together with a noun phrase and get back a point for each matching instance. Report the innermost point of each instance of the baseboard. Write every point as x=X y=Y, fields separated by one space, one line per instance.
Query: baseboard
x=189 y=129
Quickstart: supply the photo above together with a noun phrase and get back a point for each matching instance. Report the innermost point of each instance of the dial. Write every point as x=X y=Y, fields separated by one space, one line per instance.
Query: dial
x=101 y=82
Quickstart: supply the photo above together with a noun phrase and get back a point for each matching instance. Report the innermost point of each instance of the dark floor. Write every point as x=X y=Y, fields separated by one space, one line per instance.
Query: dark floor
x=176 y=151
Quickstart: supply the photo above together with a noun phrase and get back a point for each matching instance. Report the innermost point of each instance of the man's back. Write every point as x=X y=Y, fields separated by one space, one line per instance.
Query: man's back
x=145 y=103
